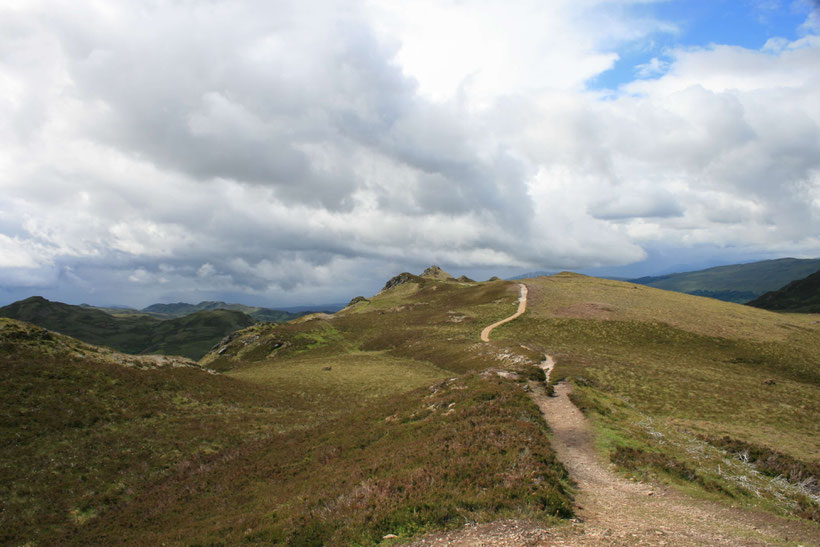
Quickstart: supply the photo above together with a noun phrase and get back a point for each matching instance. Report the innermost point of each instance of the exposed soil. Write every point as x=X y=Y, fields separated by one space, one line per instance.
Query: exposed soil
x=522 y=307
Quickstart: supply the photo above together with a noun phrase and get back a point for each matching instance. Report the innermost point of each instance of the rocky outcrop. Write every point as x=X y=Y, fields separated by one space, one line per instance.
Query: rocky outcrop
x=401 y=279
x=356 y=300
x=465 y=279
x=434 y=272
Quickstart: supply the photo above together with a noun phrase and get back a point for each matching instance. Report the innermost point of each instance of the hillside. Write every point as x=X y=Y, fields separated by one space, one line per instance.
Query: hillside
x=391 y=417
x=801 y=296
x=342 y=439
x=735 y=283
x=190 y=336
x=181 y=309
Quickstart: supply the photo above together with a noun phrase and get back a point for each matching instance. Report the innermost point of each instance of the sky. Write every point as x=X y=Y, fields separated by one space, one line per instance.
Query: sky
x=282 y=153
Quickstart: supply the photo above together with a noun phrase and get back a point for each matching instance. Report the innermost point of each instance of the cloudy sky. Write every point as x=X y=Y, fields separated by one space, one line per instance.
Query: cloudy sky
x=288 y=152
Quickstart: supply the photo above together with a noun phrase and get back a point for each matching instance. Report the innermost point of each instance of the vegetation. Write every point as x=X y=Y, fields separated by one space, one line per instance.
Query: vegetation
x=390 y=417
x=329 y=429
x=801 y=296
x=181 y=309
x=738 y=282
x=658 y=372
x=190 y=336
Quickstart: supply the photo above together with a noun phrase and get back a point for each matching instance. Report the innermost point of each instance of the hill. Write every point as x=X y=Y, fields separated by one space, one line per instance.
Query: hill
x=802 y=296
x=190 y=336
x=736 y=283
x=318 y=434
x=391 y=417
x=181 y=309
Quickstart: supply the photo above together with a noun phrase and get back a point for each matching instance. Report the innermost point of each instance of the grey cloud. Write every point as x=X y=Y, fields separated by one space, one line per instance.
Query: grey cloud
x=646 y=205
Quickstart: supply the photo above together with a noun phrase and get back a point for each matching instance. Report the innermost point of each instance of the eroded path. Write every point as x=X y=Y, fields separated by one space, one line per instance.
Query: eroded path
x=522 y=307
x=612 y=510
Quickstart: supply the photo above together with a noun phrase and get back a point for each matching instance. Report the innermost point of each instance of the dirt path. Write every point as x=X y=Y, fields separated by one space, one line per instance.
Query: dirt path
x=522 y=307
x=614 y=511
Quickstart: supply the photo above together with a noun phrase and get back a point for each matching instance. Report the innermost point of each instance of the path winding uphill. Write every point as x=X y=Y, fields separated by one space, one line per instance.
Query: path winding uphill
x=522 y=307
x=614 y=511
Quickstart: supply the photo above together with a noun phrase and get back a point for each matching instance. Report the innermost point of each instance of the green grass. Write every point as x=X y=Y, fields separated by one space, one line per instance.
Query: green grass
x=190 y=336
x=656 y=383
x=355 y=378
x=280 y=449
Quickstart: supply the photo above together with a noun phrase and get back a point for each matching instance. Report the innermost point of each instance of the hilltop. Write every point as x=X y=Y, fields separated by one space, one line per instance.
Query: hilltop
x=801 y=296
x=735 y=283
x=392 y=417
x=190 y=335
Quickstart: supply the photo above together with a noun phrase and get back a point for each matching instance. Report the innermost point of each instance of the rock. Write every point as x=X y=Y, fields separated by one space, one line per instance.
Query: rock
x=401 y=279
x=357 y=300
x=390 y=536
x=650 y=493
x=769 y=382
x=434 y=272
x=465 y=279
x=494 y=278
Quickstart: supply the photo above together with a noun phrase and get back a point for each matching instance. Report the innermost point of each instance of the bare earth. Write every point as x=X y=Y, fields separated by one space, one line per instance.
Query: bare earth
x=615 y=511
x=522 y=307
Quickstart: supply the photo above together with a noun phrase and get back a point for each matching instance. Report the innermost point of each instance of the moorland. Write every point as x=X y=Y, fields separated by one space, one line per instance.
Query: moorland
x=391 y=420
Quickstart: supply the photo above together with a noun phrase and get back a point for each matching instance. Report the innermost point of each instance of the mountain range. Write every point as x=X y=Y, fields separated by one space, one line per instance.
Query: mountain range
x=737 y=282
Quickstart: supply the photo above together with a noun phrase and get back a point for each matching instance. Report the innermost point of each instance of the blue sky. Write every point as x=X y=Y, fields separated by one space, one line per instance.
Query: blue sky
x=699 y=23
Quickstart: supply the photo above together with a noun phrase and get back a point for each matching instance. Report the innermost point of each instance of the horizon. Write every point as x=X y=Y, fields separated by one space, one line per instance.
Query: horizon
x=329 y=304
x=307 y=152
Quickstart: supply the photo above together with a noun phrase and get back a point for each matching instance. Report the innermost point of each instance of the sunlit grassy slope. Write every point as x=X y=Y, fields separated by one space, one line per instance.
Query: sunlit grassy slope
x=664 y=372
x=387 y=417
x=327 y=430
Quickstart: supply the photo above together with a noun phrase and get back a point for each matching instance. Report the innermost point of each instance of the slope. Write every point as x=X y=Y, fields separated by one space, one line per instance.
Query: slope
x=735 y=283
x=190 y=336
x=181 y=309
x=82 y=428
x=353 y=430
x=716 y=398
x=802 y=296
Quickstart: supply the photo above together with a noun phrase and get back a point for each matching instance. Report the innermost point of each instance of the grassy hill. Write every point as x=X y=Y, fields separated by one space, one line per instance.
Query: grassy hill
x=391 y=417
x=332 y=430
x=736 y=283
x=190 y=336
x=669 y=377
x=181 y=309
x=802 y=296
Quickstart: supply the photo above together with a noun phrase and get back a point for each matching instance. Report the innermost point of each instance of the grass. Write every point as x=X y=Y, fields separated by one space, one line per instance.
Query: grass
x=484 y=456
x=190 y=336
x=320 y=430
x=737 y=282
x=656 y=383
x=384 y=418
x=82 y=433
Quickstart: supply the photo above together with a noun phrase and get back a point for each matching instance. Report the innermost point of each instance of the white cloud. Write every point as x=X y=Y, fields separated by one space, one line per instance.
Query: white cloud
x=308 y=149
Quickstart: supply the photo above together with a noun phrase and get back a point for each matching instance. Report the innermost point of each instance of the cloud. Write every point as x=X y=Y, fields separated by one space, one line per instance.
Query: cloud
x=310 y=149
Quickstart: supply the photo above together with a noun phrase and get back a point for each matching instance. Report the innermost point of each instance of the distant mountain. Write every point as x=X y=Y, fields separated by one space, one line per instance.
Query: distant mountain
x=190 y=336
x=531 y=275
x=181 y=309
x=801 y=296
x=735 y=283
